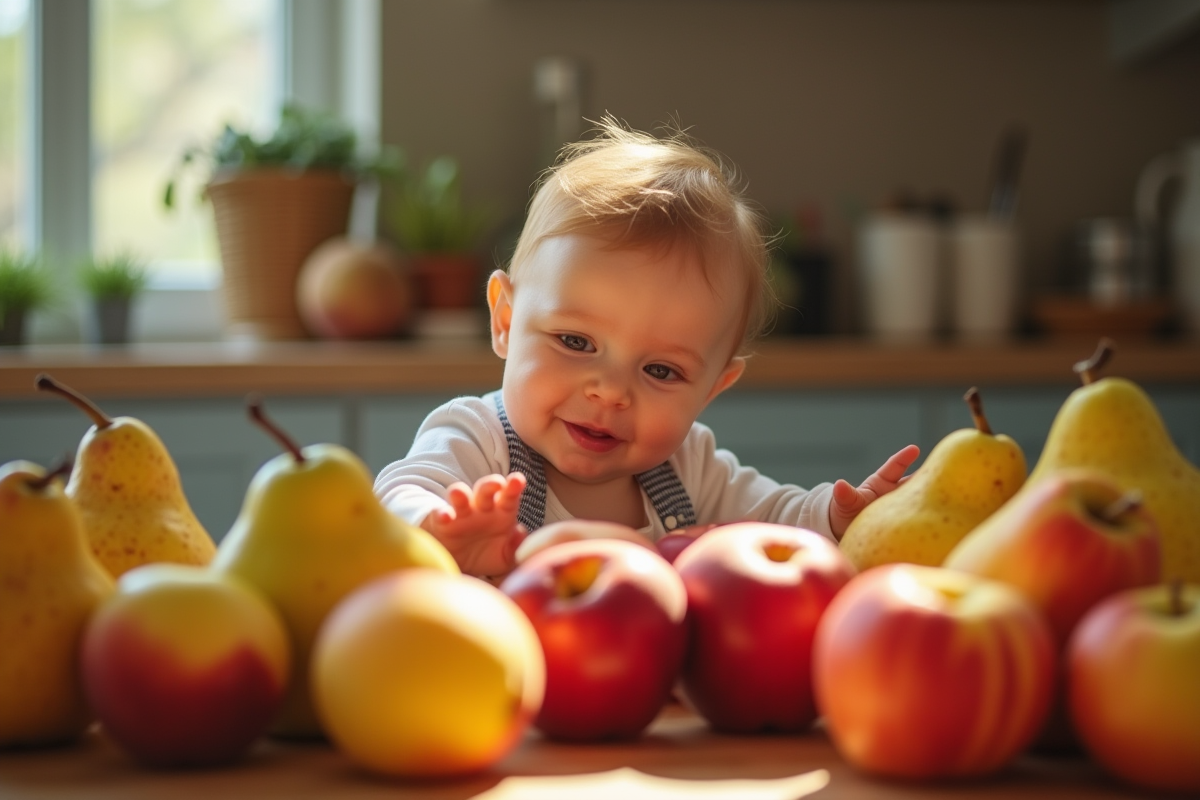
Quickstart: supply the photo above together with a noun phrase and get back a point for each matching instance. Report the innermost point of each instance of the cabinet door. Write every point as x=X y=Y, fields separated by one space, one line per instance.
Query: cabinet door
x=1027 y=414
x=1023 y=414
x=812 y=437
x=387 y=426
x=215 y=446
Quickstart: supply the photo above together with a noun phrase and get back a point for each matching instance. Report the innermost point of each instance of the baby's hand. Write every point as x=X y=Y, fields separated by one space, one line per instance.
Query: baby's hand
x=848 y=501
x=480 y=528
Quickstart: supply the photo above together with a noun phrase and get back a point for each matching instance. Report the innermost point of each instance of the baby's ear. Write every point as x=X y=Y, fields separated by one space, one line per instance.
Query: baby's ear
x=729 y=376
x=499 y=294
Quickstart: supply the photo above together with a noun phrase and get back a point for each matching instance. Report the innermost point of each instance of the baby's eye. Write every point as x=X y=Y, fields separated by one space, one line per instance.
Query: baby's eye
x=660 y=372
x=573 y=342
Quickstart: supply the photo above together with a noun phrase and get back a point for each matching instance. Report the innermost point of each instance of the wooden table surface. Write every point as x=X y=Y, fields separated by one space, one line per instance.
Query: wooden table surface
x=322 y=368
x=678 y=746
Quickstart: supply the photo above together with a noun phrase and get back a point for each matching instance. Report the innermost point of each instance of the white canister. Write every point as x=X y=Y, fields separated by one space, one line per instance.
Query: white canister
x=985 y=259
x=900 y=258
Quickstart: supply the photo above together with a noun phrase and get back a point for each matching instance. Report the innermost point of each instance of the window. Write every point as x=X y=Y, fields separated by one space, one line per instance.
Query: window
x=98 y=99
x=166 y=74
x=15 y=230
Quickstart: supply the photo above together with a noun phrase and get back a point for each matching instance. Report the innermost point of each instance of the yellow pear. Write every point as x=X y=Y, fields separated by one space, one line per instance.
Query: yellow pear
x=1111 y=425
x=127 y=487
x=49 y=585
x=311 y=531
x=969 y=474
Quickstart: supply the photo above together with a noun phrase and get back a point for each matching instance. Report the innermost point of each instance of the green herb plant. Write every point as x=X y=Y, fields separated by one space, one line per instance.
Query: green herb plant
x=119 y=276
x=429 y=215
x=305 y=139
x=25 y=285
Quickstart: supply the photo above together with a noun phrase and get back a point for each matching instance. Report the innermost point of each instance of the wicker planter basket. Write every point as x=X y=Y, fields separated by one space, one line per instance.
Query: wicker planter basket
x=268 y=222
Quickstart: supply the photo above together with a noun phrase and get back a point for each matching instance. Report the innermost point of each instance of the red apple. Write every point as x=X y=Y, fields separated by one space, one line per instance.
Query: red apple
x=184 y=667
x=1066 y=542
x=610 y=617
x=923 y=672
x=1132 y=666
x=755 y=594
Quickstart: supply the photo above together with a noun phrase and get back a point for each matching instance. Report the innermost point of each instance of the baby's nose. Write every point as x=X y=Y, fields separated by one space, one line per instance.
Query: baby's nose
x=608 y=388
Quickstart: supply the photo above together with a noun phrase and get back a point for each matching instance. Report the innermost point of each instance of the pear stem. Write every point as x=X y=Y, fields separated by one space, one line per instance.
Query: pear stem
x=975 y=403
x=48 y=384
x=1087 y=369
x=1175 y=593
x=254 y=405
x=61 y=470
x=1125 y=503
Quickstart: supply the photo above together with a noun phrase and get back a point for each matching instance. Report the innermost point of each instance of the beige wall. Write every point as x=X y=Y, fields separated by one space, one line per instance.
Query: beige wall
x=833 y=101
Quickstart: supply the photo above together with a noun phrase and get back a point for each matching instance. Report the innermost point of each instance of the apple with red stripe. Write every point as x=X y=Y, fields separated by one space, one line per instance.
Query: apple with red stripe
x=1066 y=543
x=183 y=666
x=926 y=673
x=1132 y=667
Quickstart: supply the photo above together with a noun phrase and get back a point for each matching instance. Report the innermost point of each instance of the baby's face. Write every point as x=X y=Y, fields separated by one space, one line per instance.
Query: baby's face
x=611 y=354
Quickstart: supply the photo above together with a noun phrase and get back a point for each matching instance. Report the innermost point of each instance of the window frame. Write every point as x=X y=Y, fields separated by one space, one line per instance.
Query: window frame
x=331 y=59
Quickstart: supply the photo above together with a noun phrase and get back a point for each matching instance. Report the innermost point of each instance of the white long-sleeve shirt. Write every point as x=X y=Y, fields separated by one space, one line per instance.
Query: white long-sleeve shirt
x=463 y=440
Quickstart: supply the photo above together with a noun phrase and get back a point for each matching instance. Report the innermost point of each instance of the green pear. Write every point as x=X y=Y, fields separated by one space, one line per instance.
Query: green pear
x=127 y=487
x=1111 y=425
x=49 y=586
x=311 y=530
x=969 y=474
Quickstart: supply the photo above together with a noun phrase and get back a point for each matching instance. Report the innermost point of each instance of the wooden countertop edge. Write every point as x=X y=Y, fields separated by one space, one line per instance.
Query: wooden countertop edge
x=325 y=368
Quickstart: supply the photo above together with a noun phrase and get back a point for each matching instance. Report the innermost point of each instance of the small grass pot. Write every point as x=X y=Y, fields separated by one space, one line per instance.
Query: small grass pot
x=113 y=283
x=25 y=286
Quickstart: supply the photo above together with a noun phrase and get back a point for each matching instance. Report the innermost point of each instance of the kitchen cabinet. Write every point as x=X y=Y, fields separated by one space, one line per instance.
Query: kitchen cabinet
x=214 y=444
x=806 y=437
x=795 y=436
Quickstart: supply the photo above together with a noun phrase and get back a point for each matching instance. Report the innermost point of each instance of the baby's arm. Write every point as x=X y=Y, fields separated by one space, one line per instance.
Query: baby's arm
x=480 y=527
x=848 y=502
x=452 y=484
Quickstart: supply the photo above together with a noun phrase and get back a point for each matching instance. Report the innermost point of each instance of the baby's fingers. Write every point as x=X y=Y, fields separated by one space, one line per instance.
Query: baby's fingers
x=458 y=495
x=894 y=468
x=486 y=489
x=510 y=496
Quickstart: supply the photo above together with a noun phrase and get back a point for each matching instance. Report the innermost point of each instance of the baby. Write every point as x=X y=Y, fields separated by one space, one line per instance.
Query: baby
x=637 y=282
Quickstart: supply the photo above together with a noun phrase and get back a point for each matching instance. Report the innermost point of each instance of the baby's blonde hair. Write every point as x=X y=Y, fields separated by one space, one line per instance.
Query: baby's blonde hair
x=638 y=190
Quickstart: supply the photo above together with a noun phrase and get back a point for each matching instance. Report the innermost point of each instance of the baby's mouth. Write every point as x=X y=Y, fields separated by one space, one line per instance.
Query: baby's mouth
x=593 y=439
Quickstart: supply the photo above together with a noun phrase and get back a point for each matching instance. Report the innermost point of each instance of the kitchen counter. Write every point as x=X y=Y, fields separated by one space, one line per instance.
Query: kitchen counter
x=678 y=746
x=325 y=368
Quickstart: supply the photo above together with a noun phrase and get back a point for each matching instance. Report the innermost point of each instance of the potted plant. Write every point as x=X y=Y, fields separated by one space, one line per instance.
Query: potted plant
x=440 y=235
x=112 y=283
x=274 y=200
x=25 y=286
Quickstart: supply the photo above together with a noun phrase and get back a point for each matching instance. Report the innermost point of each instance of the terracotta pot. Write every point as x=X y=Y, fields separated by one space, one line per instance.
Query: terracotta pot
x=448 y=280
x=268 y=222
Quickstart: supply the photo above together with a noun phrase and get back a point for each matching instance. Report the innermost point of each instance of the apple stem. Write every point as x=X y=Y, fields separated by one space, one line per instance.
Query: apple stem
x=1087 y=369
x=975 y=403
x=1126 y=502
x=61 y=470
x=1175 y=593
x=47 y=384
x=254 y=405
